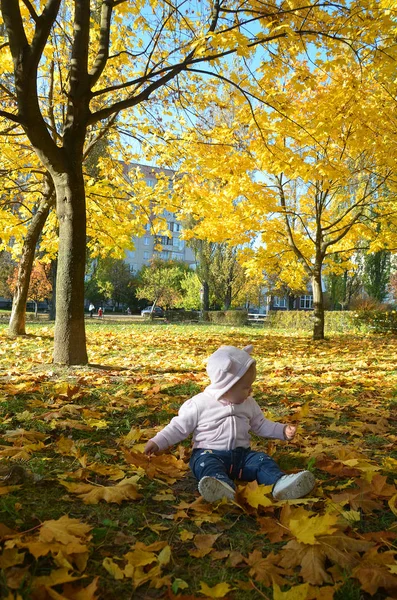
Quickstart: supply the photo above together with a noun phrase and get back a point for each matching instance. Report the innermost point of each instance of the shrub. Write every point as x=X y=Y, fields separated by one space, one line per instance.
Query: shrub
x=376 y=321
x=299 y=320
x=226 y=317
x=290 y=319
x=181 y=315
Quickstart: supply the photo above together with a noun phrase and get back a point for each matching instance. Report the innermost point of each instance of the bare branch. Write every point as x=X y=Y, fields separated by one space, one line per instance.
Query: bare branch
x=11 y=117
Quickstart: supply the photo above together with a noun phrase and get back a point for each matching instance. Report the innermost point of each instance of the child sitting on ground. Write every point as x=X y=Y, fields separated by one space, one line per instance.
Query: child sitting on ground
x=220 y=419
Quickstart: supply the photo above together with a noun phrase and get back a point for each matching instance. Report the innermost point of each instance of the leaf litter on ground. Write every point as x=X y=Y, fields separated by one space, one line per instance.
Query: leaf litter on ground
x=84 y=514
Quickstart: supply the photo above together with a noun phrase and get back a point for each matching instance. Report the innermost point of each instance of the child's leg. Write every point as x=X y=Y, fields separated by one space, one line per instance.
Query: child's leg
x=260 y=466
x=211 y=463
x=211 y=467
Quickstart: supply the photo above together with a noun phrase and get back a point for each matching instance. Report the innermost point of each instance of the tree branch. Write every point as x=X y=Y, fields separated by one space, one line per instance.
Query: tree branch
x=11 y=117
x=31 y=10
x=104 y=41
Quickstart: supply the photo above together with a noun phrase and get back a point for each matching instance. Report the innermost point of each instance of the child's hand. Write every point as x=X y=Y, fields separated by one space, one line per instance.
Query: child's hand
x=151 y=448
x=289 y=432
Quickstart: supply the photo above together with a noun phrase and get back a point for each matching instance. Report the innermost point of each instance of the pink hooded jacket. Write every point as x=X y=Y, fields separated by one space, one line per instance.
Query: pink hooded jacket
x=216 y=423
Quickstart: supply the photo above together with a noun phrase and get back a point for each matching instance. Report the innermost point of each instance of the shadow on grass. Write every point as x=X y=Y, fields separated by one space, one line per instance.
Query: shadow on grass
x=107 y=367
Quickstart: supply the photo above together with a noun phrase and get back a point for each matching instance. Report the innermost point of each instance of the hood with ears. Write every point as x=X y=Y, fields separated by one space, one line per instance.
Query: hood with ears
x=226 y=366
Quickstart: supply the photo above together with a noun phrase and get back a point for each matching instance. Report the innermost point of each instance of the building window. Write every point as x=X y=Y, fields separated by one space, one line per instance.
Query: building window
x=146 y=256
x=151 y=182
x=179 y=243
x=146 y=241
x=132 y=253
x=306 y=301
x=171 y=225
x=147 y=226
x=279 y=302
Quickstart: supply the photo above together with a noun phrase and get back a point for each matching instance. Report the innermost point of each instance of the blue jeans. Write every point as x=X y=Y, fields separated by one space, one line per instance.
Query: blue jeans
x=240 y=463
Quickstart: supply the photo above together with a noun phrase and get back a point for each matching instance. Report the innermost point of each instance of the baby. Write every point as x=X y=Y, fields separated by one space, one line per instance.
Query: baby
x=220 y=419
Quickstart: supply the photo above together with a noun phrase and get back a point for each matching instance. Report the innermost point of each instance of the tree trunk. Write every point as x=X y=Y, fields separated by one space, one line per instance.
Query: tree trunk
x=205 y=297
x=228 y=297
x=18 y=313
x=318 y=305
x=69 y=339
x=53 y=279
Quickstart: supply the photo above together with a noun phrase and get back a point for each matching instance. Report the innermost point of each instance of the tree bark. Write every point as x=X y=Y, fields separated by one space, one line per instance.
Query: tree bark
x=318 y=305
x=228 y=297
x=17 y=324
x=205 y=298
x=53 y=279
x=69 y=338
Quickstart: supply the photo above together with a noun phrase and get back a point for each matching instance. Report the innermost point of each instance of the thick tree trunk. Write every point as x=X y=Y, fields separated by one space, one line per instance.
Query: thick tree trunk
x=70 y=340
x=18 y=313
x=318 y=305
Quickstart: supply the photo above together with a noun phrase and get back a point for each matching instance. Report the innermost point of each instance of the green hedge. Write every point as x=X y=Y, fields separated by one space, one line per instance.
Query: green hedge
x=365 y=321
x=300 y=320
x=226 y=317
x=377 y=321
x=182 y=315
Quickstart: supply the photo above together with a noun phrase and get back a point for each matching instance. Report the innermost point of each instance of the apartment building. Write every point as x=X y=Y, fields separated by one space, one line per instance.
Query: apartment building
x=150 y=246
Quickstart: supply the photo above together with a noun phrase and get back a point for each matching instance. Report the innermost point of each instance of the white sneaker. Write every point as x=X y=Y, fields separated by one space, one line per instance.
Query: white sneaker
x=213 y=489
x=293 y=486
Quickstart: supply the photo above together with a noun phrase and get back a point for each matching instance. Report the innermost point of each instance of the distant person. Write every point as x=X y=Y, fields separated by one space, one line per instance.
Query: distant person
x=128 y=311
x=100 y=312
x=91 y=309
x=220 y=419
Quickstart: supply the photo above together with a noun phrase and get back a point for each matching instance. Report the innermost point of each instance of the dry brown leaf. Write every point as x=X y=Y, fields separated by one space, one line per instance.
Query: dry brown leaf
x=92 y=494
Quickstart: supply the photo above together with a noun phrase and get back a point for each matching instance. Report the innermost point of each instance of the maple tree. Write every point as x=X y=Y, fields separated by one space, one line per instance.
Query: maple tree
x=160 y=282
x=304 y=178
x=40 y=287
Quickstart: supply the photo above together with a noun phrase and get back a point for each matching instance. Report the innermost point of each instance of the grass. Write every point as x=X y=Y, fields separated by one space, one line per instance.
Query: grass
x=142 y=374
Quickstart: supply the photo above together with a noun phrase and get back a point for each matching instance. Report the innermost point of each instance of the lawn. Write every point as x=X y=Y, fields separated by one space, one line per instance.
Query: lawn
x=85 y=515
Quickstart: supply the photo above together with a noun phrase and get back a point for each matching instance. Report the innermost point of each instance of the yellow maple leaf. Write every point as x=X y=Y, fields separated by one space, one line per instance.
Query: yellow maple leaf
x=64 y=530
x=140 y=558
x=56 y=577
x=393 y=504
x=186 y=535
x=11 y=557
x=92 y=494
x=257 y=495
x=305 y=528
x=164 y=556
x=112 y=568
x=218 y=591
x=298 y=592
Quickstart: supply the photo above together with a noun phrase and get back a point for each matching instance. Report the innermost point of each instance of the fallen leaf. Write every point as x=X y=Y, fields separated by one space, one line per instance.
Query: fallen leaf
x=218 y=591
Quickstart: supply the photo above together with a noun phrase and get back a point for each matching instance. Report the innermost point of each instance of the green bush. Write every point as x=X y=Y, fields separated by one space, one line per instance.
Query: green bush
x=300 y=320
x=226 y=317
x=236 y=317
x=376 y=321
x=175 y=316
x=290 y=319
